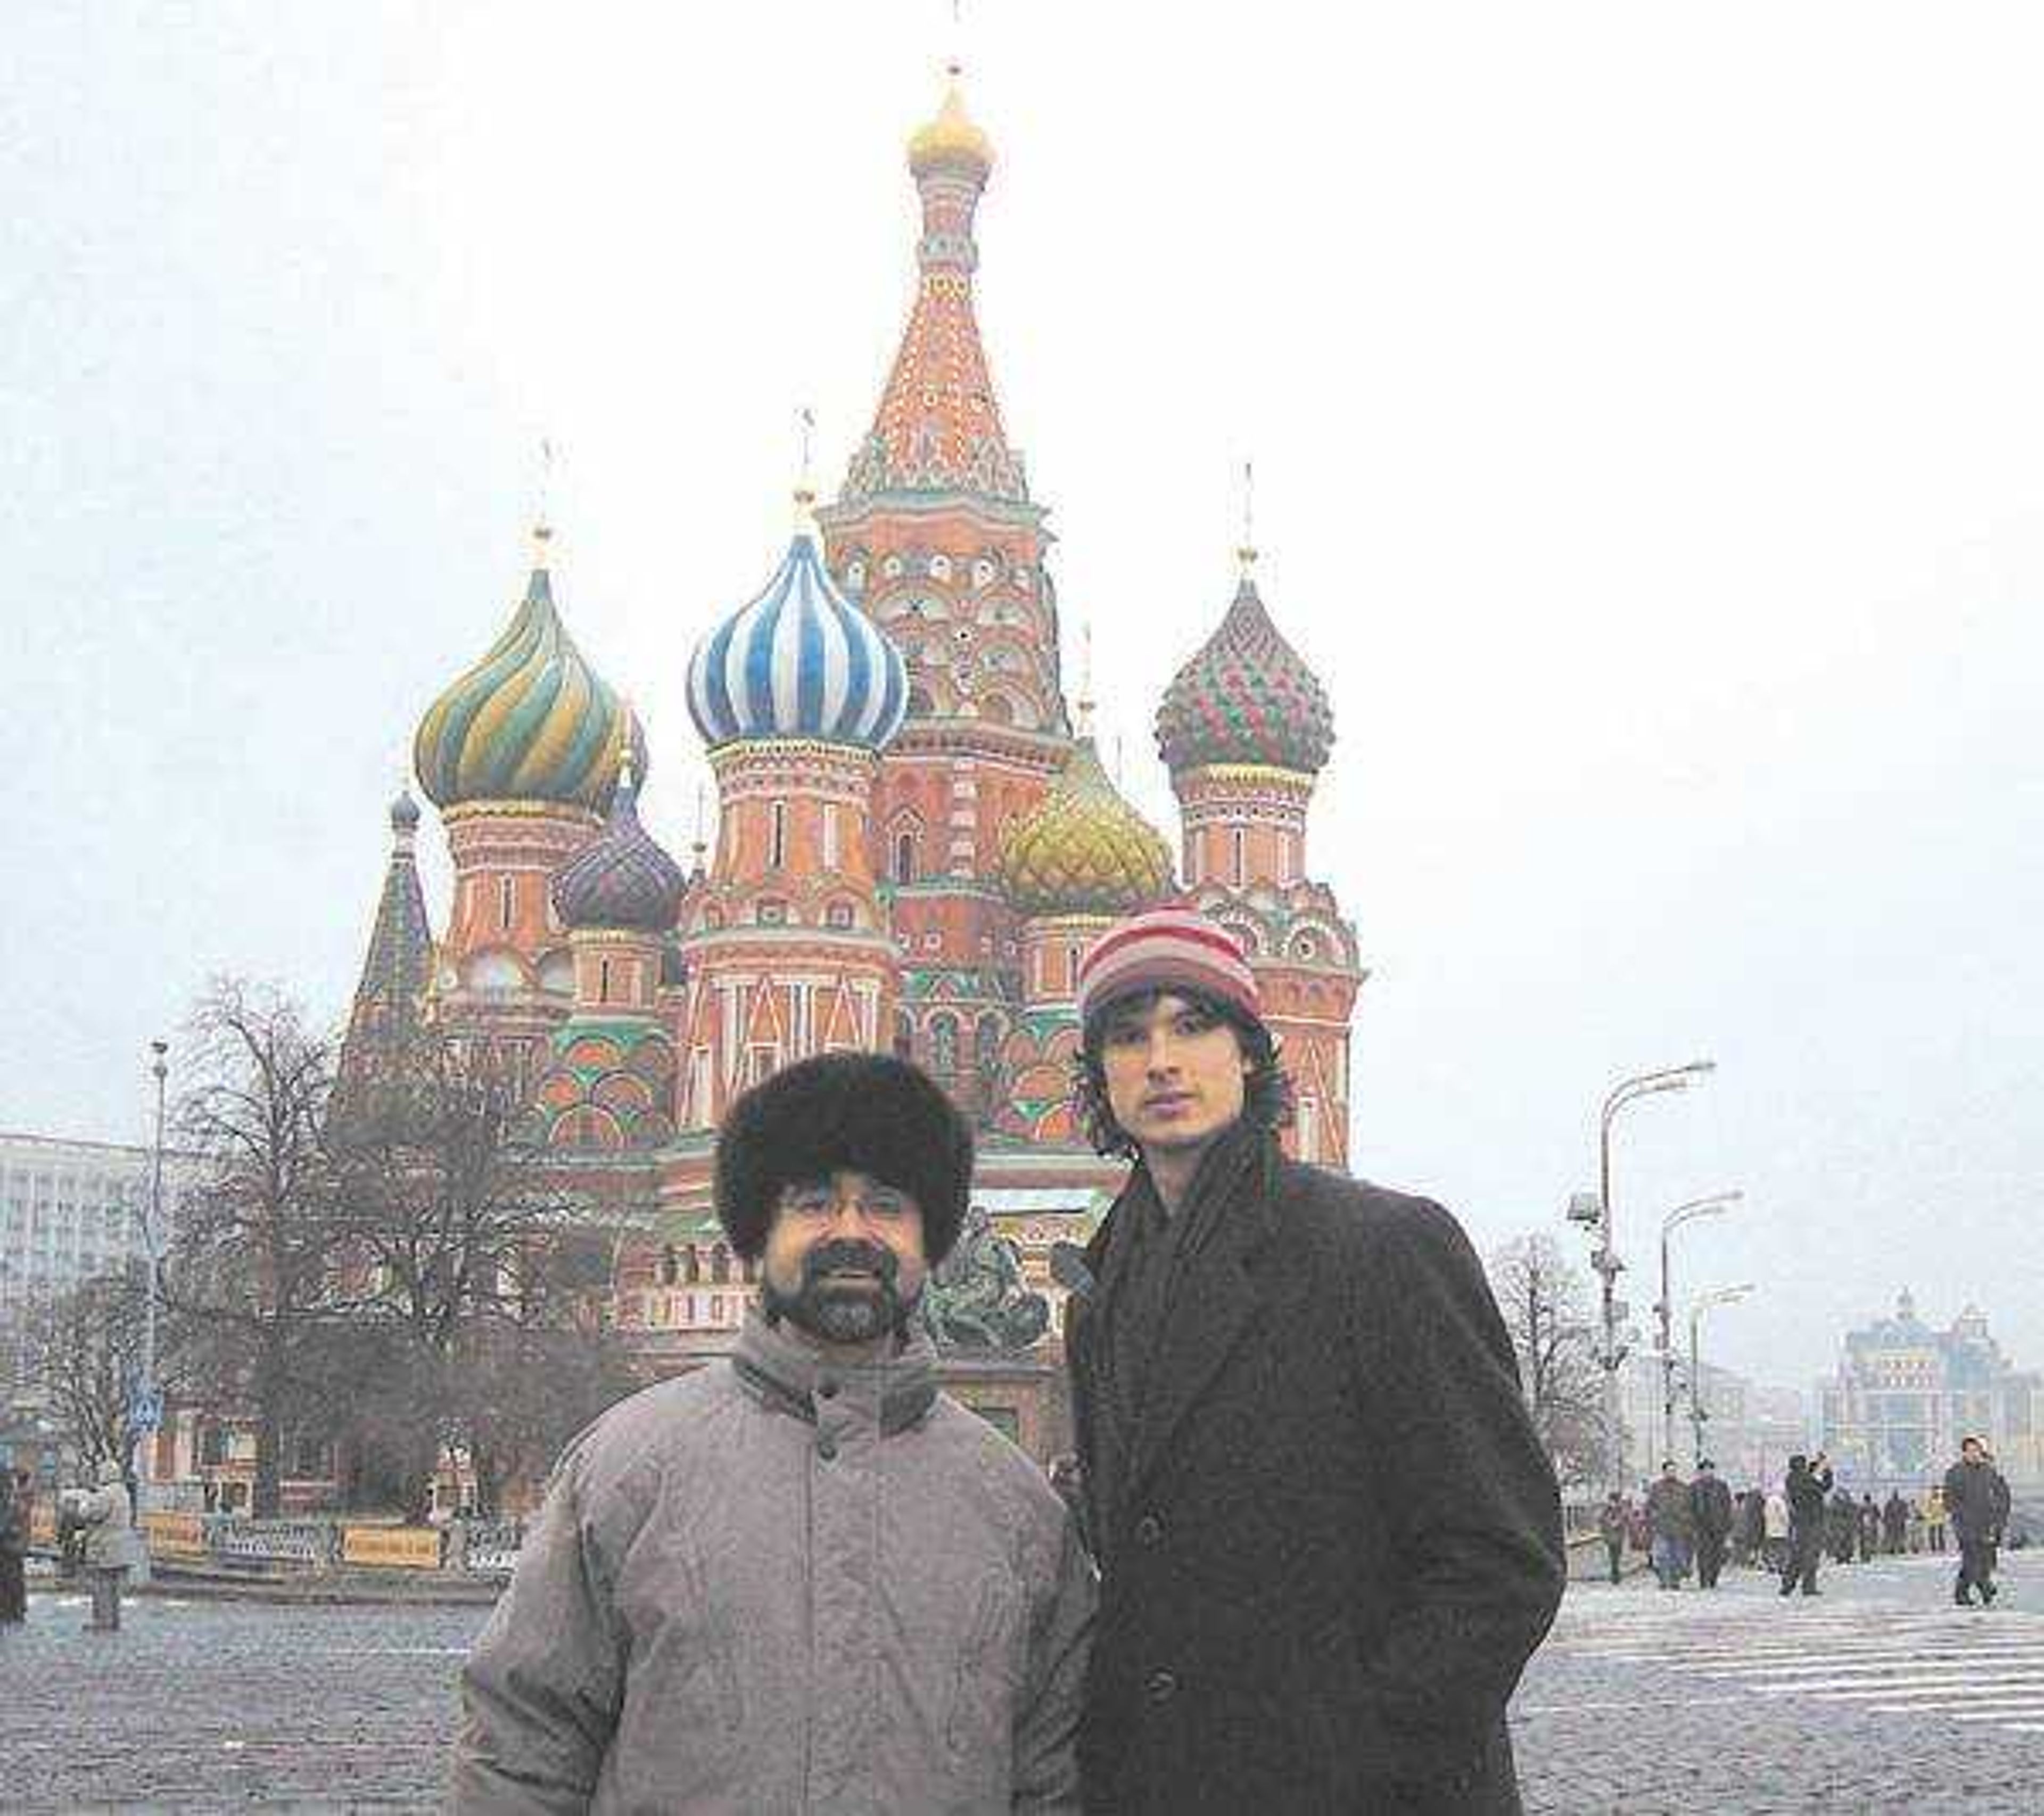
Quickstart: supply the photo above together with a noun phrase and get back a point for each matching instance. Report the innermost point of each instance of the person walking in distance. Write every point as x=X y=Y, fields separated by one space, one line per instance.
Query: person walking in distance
x=1894 y=1523
x=1774 y=1519
x=1328 y=1535
x=1977 y=1502
x=14 y=1515
x=800 y=1579
x=1613 y=1518
x=1807 y=1490
x=1934 y=1518
x=1711 y=1514
x=1674 y=1526
x=1869 y=1529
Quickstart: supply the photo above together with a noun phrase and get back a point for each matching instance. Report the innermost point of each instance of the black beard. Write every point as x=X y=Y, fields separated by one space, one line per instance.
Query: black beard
x=836 y=1313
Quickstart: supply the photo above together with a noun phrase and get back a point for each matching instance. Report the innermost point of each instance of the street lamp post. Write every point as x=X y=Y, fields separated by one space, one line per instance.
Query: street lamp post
x=1720 y=1295
x=146 y=1387
x=1605 y=1260
x=1715 y=1205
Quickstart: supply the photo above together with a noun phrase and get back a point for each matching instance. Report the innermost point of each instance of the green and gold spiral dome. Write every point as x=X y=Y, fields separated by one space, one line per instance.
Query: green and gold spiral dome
x=532 y=721
x=1082 y=849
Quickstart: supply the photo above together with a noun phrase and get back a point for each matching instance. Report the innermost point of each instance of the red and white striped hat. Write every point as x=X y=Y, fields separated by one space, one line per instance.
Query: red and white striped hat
x=1165 y=948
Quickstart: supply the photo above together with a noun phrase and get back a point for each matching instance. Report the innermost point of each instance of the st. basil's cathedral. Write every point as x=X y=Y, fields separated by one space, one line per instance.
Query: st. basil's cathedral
x=916 y=838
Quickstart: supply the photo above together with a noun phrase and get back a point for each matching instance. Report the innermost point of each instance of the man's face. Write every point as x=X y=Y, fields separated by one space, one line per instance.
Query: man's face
x=1971 y=1451
x=844 y=1258
x=1175 y=1071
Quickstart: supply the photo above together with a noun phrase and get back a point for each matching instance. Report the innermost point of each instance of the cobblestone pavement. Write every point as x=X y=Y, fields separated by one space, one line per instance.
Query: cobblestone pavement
x=1880 y=1695
x=205 y=1706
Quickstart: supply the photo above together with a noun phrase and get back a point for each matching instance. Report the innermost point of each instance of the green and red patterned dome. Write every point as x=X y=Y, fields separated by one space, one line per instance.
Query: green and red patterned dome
x=1082 y=849
x=1246 y=697
x=532 y=721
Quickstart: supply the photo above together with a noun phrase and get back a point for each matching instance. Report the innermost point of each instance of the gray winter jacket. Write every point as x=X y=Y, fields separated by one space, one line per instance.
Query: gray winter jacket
x=775 y=1586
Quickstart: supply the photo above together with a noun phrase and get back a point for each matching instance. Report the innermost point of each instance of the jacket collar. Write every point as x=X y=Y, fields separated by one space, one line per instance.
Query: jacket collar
x=784 y=1373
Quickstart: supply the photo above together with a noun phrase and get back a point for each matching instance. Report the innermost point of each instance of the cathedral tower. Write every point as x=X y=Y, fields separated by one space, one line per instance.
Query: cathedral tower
x=520 y=755
x=785 y=941
x=935 y=537
x=1245 y=730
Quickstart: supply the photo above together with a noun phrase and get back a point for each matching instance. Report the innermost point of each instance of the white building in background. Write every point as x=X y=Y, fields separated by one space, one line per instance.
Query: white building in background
x=71 y=1211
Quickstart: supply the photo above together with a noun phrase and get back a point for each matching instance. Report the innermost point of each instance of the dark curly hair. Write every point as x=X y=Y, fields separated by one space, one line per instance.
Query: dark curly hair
x=1266 y=1087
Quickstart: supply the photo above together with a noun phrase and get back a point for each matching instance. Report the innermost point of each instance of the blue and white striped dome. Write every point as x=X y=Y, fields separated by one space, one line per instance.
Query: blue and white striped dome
x=799 y=662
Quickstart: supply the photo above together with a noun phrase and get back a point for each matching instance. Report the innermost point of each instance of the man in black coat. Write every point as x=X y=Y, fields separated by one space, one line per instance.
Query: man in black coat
x=1710 y=1513
x=1808 y=1485
x=1328 y=1535
x=1976 y=1499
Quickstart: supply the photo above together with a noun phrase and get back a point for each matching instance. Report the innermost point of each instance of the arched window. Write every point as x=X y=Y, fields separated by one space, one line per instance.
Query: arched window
x=904 y=1036
x=720 y=1265
x=692 y=1266
x=507 y=902
x=777 y=845
x=603 y=980
x=671 y=1265
x=1236 y=857
x=943 y=1044
x=905 y=857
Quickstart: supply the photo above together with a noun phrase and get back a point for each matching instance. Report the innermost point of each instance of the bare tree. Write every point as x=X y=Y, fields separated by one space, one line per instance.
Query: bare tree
x=1546 y=1305
x=252 y=1275
x=477 y=1279
x=83 y=1349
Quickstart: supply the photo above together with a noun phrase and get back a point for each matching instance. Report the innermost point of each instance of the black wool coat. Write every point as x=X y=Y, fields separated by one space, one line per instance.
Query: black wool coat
x=1338 y=1539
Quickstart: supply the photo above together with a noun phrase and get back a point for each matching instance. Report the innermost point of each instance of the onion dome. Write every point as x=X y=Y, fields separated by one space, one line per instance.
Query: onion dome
x=1246 y=697
x=404 y=812
x=951 y=137
x=621 y=877
x=532 y=720
x=799 y=661
x=1082 y=849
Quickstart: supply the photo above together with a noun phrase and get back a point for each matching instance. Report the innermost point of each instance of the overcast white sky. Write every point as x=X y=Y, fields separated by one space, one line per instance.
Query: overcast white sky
x=1646 y=406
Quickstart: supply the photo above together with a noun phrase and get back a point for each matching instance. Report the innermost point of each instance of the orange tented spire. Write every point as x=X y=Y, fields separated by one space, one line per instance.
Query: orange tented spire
x=938 y=428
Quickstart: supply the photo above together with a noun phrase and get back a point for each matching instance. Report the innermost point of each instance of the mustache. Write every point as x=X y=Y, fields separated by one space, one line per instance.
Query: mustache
x=844 y=1254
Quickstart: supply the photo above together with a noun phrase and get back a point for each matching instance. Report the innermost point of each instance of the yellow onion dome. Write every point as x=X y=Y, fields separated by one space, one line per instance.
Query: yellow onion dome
x=1082 y=849
x=532 y=721
x=951 y=137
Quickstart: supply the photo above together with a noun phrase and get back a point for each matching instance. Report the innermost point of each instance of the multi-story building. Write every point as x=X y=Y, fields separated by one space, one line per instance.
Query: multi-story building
x=915 y=839
x=1748 y=1431
x=1906 y=1393
x=71 y=1211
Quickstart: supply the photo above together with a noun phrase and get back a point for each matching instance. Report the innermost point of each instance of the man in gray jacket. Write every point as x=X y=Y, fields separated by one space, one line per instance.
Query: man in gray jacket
x=800 y=1579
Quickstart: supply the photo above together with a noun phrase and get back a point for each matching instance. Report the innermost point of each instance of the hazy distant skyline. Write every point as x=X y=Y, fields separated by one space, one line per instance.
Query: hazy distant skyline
x=1645 y=413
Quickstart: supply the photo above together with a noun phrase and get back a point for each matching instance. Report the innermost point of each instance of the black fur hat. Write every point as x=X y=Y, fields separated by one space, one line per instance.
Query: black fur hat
x=863 y=1112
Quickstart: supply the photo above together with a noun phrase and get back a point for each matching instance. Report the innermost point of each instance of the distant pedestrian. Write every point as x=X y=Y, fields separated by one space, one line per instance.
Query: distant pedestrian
x=1710 y=1513
x=1674 y=1526
x=1640 y=1524
x=1895 y=1524
x=1807 y=1489
x=14 y=1548
x=1918 y=1541
x=1976 y=1499
x=1869 y=1529
x=1844 y=1524
x=1613 y=1519
x=1775 y=1518
x=109 y=1545
x=1934 y=1518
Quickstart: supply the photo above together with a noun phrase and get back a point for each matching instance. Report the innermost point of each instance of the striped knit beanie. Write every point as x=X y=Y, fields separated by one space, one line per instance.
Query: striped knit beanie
x=1165 y=948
